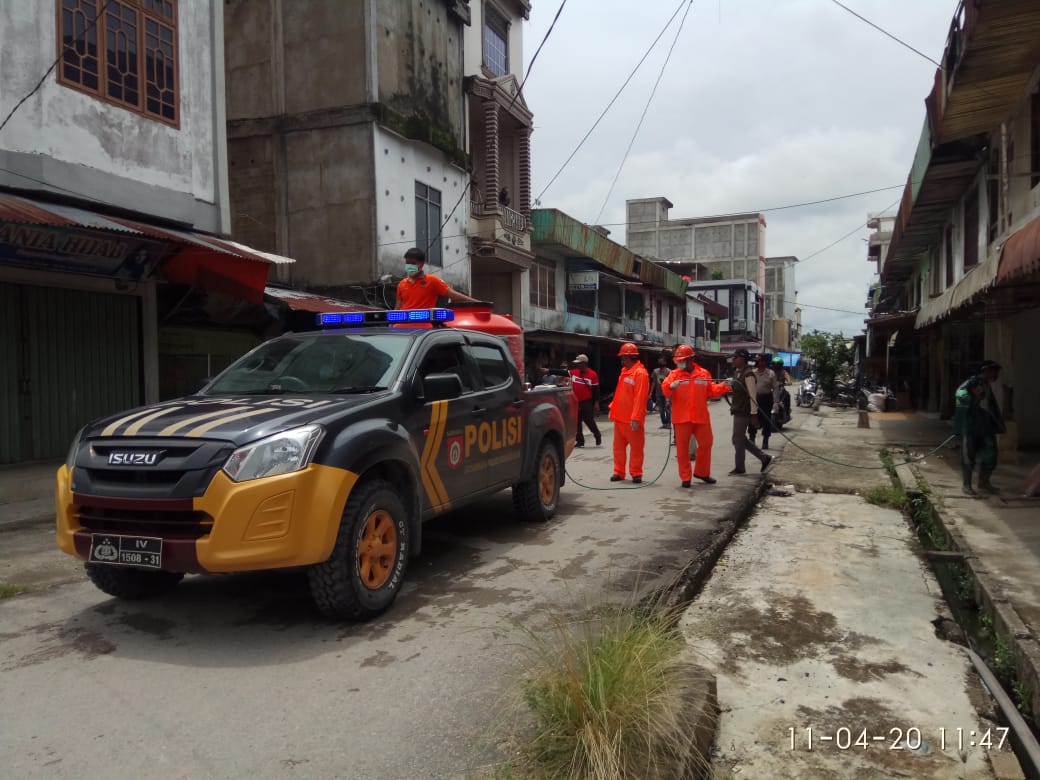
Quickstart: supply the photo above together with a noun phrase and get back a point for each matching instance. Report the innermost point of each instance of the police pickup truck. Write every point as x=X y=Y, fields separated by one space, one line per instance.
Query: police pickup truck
x=324 y=449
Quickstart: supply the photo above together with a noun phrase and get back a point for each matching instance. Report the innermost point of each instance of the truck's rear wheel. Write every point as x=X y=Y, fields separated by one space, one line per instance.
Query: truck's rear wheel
x=131 y=584
x=361 y=578
x=535 y=500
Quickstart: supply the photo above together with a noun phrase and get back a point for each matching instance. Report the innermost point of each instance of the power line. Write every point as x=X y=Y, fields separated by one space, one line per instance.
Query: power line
x=54 y=64
x=520 y=89
x=825 y=308
x=613 y=99
x=646 y=108
x=856 y=229
x=900 y=41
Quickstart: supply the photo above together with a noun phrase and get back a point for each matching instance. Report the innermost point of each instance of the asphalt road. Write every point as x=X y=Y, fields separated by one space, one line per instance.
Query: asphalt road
x=238 y=675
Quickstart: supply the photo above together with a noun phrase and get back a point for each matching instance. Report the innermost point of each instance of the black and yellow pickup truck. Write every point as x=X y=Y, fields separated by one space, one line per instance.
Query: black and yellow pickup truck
x=326 y=450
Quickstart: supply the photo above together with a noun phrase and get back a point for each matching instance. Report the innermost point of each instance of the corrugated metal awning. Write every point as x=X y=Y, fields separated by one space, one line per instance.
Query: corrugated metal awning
x=297 y=300
x=977 y=281
x=195 y=259
x=1021 y=254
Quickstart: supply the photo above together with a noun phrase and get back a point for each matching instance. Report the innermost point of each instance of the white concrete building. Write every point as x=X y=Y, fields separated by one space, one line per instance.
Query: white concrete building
x=113 y=180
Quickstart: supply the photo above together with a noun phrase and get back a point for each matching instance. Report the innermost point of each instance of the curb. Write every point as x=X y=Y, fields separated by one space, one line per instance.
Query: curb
x=691 y=578
x=23 y=522
x=988 y=593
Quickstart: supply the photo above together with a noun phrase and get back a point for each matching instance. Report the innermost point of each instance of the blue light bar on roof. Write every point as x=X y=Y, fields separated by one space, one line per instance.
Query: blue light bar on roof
x=332 y=319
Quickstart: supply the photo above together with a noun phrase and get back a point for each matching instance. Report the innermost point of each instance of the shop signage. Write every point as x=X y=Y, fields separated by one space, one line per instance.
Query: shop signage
x=53 y=248
x=583 y=280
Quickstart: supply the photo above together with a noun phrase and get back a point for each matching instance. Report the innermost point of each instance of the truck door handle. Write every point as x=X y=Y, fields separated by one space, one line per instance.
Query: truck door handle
x=478 y=410
x=517 y=404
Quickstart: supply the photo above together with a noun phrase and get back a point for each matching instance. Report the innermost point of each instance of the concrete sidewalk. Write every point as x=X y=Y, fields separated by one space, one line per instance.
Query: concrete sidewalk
x=998 y=535
x=822 y=615
x=27 y=493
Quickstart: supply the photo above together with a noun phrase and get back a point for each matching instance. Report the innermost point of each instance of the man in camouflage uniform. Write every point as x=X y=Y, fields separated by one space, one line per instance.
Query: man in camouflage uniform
x=977 y=420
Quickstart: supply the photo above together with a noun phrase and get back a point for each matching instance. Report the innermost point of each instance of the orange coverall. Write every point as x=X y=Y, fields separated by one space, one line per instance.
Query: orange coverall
x=629 y=405
x=689 y=392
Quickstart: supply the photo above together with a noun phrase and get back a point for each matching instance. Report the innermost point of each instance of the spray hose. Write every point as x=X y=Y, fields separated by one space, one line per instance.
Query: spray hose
x=776 y=429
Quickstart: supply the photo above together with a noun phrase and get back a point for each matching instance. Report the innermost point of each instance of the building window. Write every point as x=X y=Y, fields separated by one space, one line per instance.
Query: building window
x=1034 y=139
x=428 y=222
x=993 y=195
x=127 y=56
x=543 y=285
x=971 y=229
x=948 y=252
x=496 y=42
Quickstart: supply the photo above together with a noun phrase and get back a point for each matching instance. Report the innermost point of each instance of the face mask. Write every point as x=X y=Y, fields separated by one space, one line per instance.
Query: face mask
x=410 y=269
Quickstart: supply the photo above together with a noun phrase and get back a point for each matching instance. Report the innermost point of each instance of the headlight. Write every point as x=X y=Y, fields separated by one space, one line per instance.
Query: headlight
x=278 y=454
x=70 y=459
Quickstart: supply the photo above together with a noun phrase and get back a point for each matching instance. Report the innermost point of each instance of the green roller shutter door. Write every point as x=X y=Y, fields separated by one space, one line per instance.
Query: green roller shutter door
x=10 y=430
x=80 y=359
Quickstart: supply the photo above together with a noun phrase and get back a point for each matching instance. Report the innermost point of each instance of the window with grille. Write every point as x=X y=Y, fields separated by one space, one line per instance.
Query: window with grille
x=971 y=229
x=543 y=285
x=428 y=222
x=123 y=52
x=496 y=42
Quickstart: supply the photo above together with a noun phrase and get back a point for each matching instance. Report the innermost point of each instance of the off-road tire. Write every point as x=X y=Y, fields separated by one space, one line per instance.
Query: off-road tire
x=536 y=499
x=339 y=586
x=131 y=584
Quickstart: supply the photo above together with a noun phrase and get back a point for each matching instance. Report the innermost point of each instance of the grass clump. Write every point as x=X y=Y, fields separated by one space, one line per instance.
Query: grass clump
x=891 y=496
x=7 y=591
x=610 y=695
x=887 y=461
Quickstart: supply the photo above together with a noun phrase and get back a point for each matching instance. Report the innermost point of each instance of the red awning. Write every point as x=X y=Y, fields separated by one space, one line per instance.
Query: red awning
x=190 y=257
x=1021 y=255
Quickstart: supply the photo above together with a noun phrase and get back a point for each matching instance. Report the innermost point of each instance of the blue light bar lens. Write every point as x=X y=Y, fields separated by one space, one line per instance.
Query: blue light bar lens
x=378 y=317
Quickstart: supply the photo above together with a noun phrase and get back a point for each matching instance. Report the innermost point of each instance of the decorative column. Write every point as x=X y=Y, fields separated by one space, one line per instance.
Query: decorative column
x=491 y=185
x=523 y=140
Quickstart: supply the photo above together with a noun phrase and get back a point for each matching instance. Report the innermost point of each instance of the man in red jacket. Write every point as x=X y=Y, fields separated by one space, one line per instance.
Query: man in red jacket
x=586 y=392
x=689 y=387
x=628 y=411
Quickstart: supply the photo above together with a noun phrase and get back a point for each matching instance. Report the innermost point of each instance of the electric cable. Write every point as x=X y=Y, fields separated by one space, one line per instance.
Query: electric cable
x=646 y=108
x=43 y=78
x=883 y=31
x=851 y=232
x=520 y=89
x=612 y=100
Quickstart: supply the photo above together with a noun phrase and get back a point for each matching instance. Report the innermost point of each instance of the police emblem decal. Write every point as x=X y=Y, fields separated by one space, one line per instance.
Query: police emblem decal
x=454 y=451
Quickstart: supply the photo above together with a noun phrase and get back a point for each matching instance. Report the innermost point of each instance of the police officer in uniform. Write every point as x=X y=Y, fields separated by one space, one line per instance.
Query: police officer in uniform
x=745 y=412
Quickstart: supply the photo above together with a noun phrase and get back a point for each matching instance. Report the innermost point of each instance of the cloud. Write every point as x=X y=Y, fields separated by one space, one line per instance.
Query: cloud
x=763 y=104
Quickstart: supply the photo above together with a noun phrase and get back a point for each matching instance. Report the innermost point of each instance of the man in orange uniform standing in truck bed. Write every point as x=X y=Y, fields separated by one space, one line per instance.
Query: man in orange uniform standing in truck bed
x=689 y=387
x=628 y=411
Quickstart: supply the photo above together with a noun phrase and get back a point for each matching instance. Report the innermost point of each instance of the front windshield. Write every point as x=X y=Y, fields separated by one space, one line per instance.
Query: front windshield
x=332 y=363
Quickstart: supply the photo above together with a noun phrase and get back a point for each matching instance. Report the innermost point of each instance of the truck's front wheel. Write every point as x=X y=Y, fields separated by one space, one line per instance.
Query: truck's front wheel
x=361 y=578
x=535 y=500
x=131 y=584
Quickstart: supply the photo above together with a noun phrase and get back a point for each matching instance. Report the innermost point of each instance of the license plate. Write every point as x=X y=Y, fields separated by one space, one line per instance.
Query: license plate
x=126 y=550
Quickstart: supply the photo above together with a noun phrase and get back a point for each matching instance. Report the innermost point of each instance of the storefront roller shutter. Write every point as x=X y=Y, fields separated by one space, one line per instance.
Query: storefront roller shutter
x=83 y=361
x=10 y=430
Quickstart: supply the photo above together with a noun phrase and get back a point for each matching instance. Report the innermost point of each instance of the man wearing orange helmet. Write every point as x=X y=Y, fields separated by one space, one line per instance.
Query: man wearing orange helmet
x=628 y=411
x=688 y=387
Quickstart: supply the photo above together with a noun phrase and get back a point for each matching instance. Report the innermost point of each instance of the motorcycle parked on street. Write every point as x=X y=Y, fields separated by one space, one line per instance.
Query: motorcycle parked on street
x=806 y=395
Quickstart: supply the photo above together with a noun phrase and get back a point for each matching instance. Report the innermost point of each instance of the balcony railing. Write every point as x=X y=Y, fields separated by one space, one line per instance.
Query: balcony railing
x=511 y=219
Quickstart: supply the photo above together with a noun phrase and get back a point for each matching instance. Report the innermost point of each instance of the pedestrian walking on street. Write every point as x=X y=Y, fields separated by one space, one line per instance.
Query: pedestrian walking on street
x=586 y=392
x=664 y=407
x=977 y=420
x=745 y=412
x=767 y=398
x=688 y=388
x=628 y=411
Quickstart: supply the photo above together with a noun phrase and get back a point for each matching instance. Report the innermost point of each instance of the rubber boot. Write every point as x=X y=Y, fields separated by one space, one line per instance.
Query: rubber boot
x=966 y=471
x=984 y=484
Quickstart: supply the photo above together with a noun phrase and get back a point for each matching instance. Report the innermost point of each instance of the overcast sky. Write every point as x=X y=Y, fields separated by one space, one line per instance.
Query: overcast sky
x=763 y=103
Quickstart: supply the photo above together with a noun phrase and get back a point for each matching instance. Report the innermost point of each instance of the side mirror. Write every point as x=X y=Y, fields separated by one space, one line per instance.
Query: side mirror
x=441 y=387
